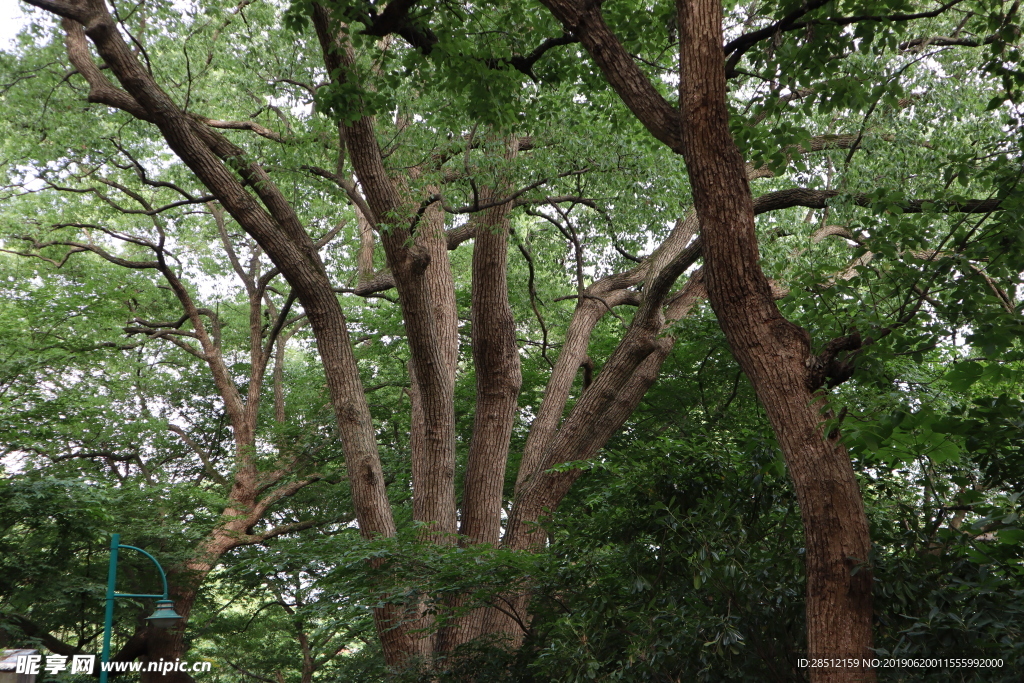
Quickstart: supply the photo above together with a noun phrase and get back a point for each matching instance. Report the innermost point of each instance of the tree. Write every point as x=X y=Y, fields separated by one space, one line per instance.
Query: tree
x=775 y=354
x=244 y=485
x=416 y=249
x=379 y=80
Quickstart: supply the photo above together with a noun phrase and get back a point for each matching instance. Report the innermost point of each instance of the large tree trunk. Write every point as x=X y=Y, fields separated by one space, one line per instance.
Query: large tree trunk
x=433 y=463
x=498 y=375
x=417 y=255
x=775 y=354
x=498 y=381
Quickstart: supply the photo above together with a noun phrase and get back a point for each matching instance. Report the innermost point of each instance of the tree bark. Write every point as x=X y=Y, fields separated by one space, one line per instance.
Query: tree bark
x=498 y=375
x=498 y=381
x=416 y=248
x=775 y=355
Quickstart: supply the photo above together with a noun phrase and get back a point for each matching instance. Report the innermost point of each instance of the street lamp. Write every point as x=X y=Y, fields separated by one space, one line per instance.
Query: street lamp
x=163 y=617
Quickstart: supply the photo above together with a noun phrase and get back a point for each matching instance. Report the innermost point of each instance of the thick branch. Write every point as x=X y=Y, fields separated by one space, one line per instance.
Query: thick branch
x=819 y=199
x=584 y=20
x=525 y=63
x=281 y=530
x=260 y=130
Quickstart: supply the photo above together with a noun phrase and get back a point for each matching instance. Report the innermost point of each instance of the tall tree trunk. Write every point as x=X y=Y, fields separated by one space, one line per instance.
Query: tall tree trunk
x=417 y=255
x=498 y=381
x=416 y=248
x=498 y=375
x=433 y=463
x=775 y=354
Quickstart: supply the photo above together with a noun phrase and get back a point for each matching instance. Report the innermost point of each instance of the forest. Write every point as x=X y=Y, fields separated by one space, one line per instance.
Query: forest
x=425 y=340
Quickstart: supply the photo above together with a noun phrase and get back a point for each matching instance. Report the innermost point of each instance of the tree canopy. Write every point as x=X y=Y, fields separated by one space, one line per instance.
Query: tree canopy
x=578 y=341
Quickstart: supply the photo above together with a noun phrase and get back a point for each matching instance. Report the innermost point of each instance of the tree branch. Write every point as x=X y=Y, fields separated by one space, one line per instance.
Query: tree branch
x=818 y=199
x=584 y=20
x=735 y=49
x=280 y=530
x=203 y=456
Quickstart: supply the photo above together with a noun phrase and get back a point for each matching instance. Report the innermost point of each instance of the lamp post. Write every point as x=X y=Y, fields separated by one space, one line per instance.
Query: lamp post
x=163 y=617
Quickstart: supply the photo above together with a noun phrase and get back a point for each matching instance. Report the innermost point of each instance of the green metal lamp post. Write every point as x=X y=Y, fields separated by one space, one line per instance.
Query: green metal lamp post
x=163 y=617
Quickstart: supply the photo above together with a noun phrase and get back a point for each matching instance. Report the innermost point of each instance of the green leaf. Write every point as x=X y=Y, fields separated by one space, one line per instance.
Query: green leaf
x=964 y=375
x=1011 y=536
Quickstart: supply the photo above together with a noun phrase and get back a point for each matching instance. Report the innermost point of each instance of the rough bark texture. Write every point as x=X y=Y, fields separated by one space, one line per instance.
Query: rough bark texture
x=498 y=381
x=416 y=248
x=598 y=299
x=434 y=464
x=774 y=354
x=498 y=376
x=539 y=492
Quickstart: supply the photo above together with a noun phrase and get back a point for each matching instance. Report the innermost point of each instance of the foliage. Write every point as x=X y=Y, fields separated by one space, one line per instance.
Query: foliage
x=678 y=553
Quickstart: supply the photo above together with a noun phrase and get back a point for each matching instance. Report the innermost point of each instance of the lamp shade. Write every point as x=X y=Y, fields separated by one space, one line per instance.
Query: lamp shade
x=164 y=616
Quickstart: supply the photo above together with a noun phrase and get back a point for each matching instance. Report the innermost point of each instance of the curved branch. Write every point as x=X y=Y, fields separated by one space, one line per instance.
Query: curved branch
x=584 y=20
x=203 y=455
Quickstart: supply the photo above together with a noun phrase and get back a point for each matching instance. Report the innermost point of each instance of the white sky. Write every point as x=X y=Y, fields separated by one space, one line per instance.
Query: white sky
x=11 y=21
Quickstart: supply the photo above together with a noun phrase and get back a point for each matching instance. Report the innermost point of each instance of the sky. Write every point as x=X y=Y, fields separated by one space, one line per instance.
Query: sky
x=11 y=21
